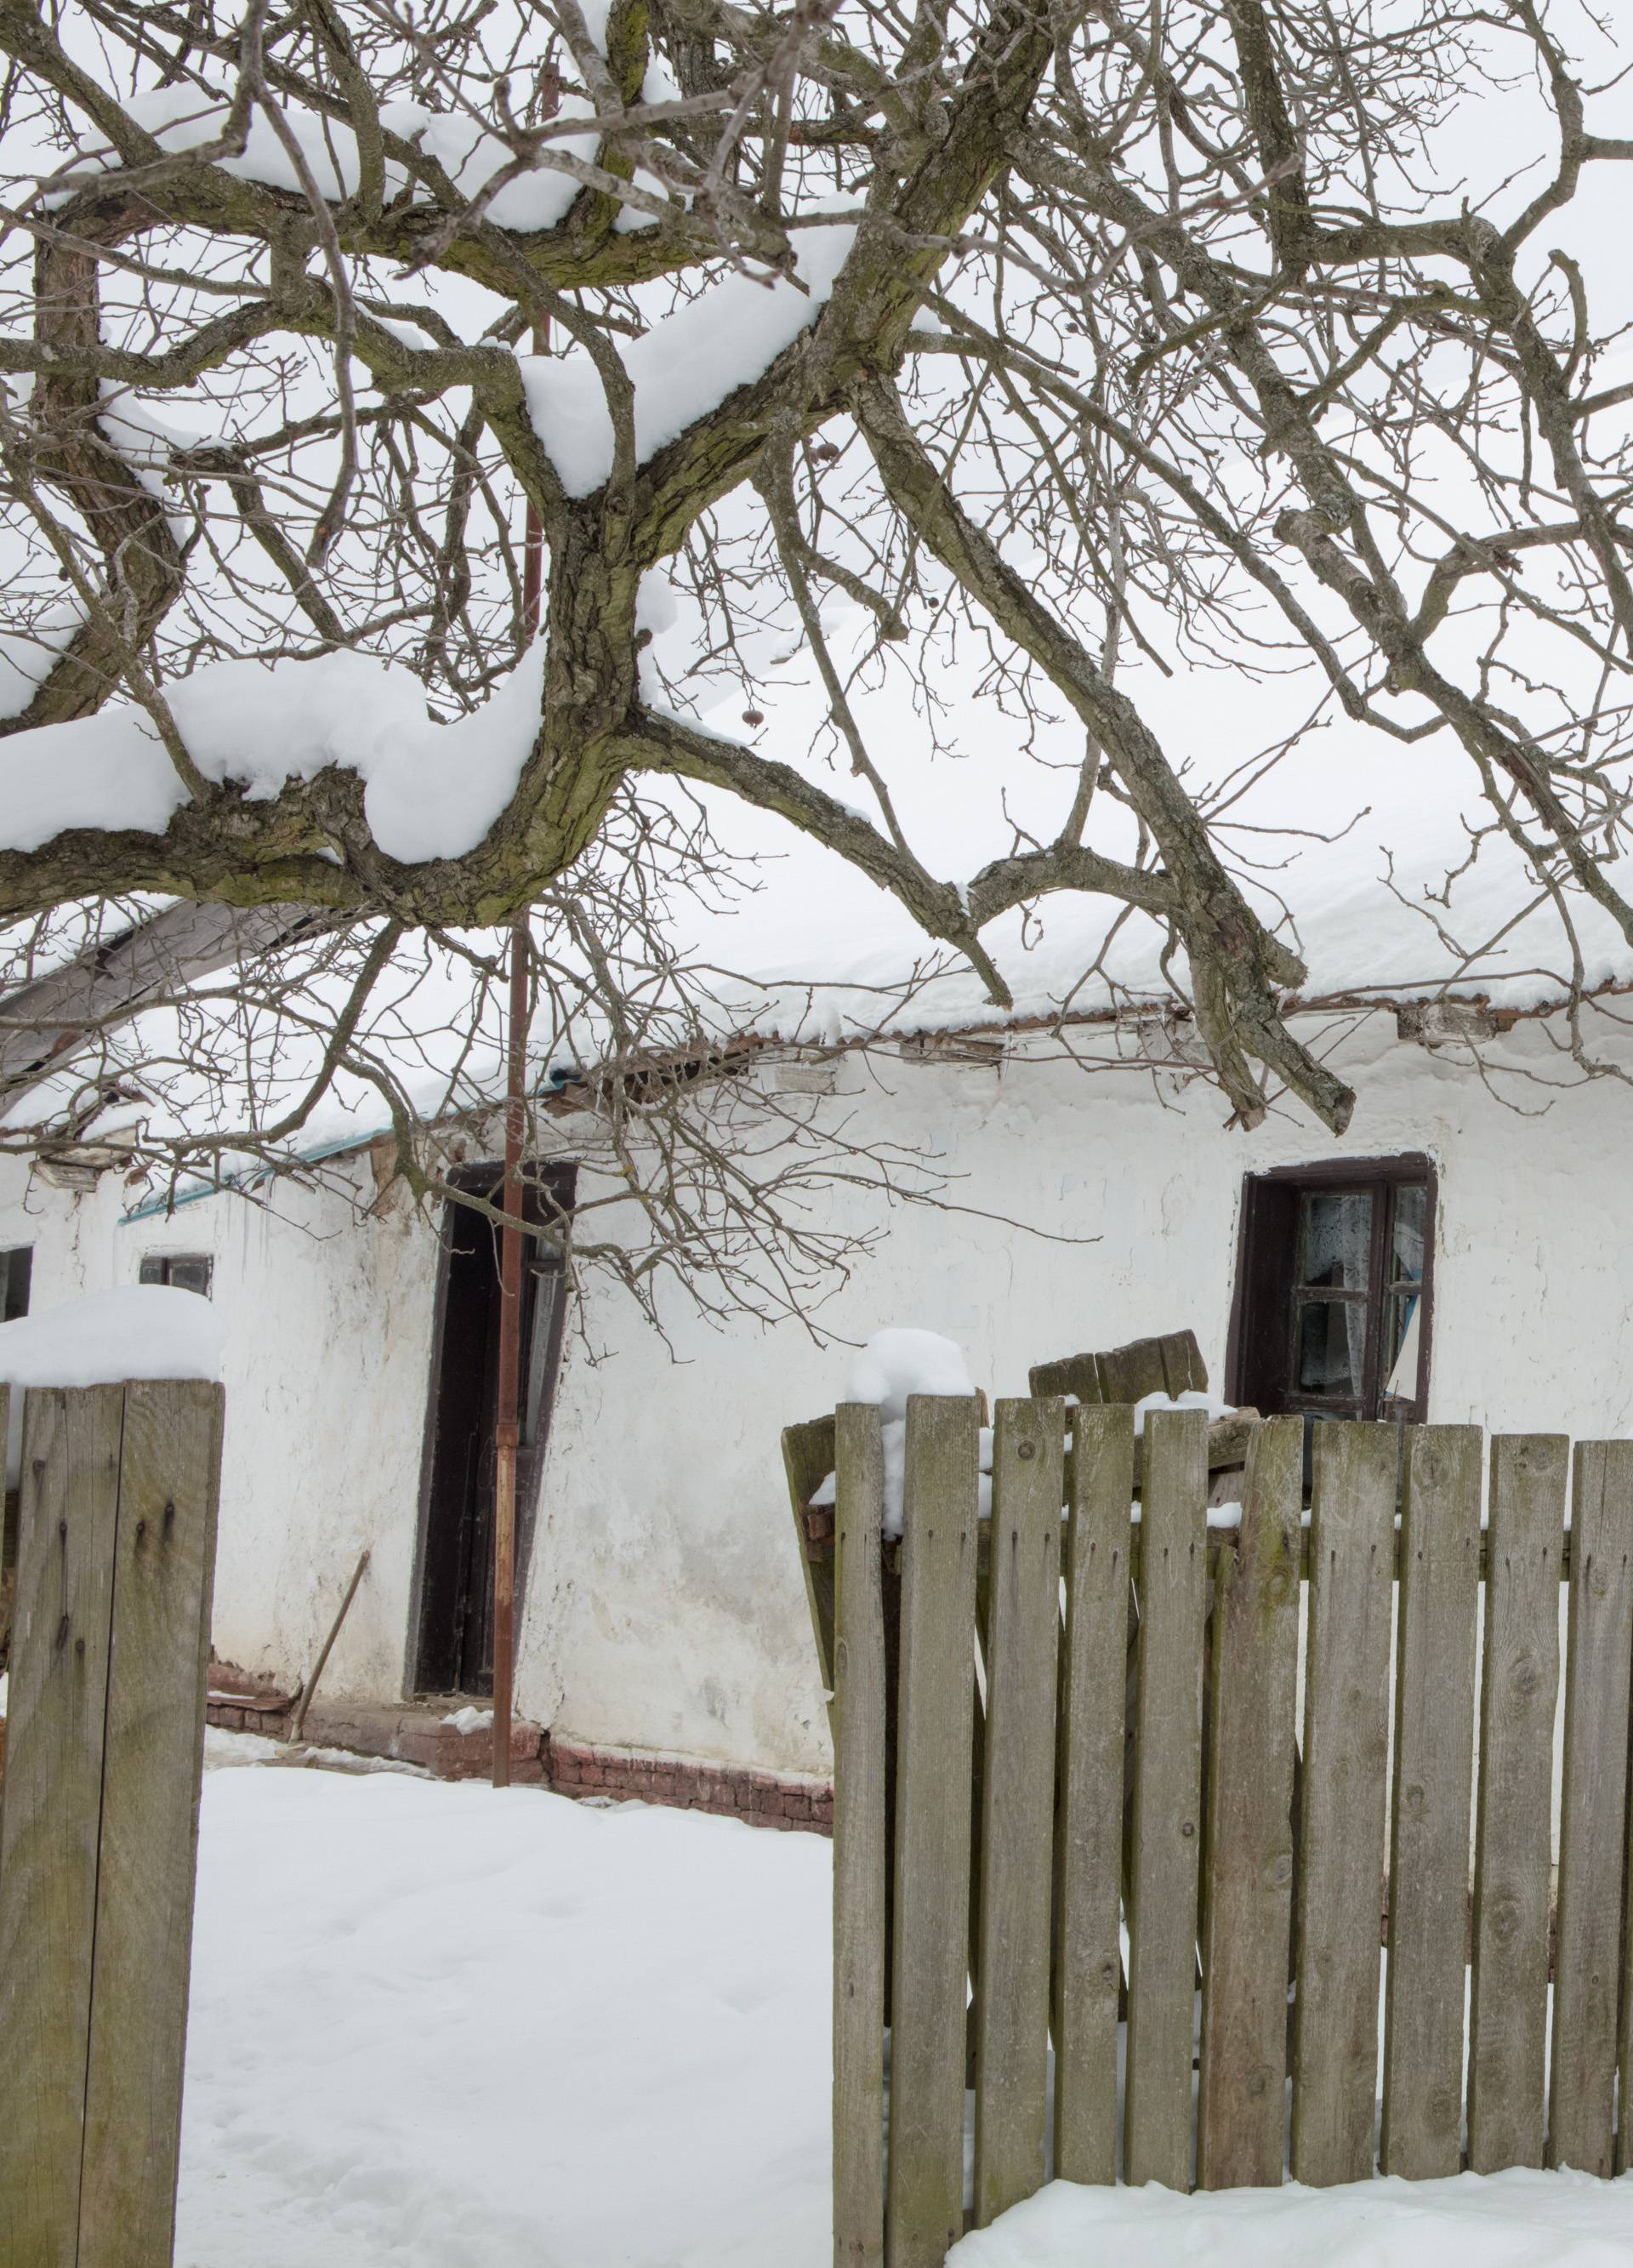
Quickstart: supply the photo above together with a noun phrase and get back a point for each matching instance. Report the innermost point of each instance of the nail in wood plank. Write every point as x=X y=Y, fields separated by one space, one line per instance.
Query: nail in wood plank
x=1168 y=1799
x=1423 y=2116
x=932 y=1842
x=1340 y=1857
x=859 y=1856
x=1586 y=1957
x=1242 y=2108
x=51 y=1820
x=1088 y=1960
x=1519 y=1689
x=1017 y=1812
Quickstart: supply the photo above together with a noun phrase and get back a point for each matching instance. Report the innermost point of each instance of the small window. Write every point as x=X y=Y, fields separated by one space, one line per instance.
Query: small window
x=187 y=1271
x=1333 y=1291
x=16 y=1268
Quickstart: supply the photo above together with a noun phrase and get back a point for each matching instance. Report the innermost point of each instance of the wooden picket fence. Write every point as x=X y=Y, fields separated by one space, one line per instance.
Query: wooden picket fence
x=1046 y=1726
x=99 y=1815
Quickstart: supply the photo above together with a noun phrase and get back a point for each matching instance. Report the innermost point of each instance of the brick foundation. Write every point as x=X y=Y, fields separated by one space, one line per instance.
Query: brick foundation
x=763 y=1798
x=420 y=1737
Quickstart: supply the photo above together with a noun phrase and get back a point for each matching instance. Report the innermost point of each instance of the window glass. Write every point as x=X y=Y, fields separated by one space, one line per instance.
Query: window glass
x=1406 y=1235
x=187 y=1271
x=1400 y=1358
x=1332 y=1346
x=1338 y=1239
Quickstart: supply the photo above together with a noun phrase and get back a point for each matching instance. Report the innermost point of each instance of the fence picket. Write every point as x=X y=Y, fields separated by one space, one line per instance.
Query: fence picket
x=1341 y=1871
x=1018 y=1822
x=1586 y=1958
x=1434 y=1740
x=932 y=1840
x=1088 y=1959
x=1249 y=1849
x=1128 y=1374
x=170 y=1464
x=808 y=1456
x=859 y=1854
x=1091 y=1786
x=1519 y=1688
x=51 y=1818
x=1168 y=1799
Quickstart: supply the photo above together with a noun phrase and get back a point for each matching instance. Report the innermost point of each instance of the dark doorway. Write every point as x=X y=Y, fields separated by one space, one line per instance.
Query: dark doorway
x=452 y=1651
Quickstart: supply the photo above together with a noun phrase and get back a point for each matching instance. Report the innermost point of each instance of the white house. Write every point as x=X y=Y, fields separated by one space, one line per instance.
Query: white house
x=1461 y=1253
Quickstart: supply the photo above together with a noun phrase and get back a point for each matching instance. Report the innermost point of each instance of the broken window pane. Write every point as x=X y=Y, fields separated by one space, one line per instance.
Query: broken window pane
x=1406 y=1236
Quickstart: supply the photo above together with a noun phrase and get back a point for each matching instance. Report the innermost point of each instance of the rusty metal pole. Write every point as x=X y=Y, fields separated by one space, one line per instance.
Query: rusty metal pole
x=507 y=1431
x=510 y=1364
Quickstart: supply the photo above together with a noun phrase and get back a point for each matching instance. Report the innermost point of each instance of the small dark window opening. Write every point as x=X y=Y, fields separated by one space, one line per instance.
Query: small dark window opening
x=1334 y=1291
x=451 y=1648
x=17 y=1268
x=187 y=1271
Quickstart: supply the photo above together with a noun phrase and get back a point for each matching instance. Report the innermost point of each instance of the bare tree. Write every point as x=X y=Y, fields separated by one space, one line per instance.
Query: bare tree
x=1078 y=340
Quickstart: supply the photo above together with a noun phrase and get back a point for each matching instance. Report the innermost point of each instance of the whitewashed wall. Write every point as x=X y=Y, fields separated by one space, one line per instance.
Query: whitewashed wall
x=665 y=1610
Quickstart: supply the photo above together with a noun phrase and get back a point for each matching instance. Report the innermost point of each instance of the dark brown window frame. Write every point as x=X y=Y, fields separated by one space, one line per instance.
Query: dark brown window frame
x=1258 y=1349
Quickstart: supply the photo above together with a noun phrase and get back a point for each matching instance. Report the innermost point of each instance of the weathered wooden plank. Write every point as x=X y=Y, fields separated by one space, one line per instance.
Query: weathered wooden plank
x=1017 y=1819
x=170 y=1465
x=1167 y=1800
x=1183 y=1369
x=1248 y=1858
x=1422 y=2118
x=1519 y=1688
x=1593 y=1813
x=50 y=1825
x=932 y=1841
x=859 y=1849
x=808 y=1460
x=1088 y=1958
x=1222 y=1541
x=1074 y=1375
x=1341 y=1855
x=1128 y=1374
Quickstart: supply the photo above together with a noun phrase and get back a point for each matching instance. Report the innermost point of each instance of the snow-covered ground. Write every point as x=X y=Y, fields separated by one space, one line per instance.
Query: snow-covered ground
x=1506 y=2221
x=436 y=2028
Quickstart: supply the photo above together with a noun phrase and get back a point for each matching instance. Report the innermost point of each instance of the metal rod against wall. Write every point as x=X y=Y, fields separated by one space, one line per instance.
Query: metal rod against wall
x=297 y=1715
x=507 y=1431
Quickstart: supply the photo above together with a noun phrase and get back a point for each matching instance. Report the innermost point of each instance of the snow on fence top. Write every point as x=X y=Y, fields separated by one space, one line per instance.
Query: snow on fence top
x=139 y=1330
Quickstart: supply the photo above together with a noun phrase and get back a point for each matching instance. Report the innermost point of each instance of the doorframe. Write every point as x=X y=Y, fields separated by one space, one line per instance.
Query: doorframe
x=561 y=1176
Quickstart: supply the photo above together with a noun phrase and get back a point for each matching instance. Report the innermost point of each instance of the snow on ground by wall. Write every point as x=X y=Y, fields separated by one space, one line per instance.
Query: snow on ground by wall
x=1503 y=2221
x=136 y=1331
x=436 y=2028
